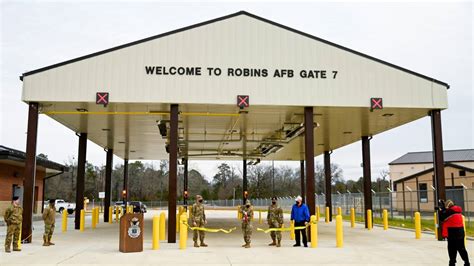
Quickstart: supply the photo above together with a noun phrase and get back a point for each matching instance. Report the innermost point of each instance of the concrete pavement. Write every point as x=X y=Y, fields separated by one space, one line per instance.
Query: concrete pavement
x=361 y=247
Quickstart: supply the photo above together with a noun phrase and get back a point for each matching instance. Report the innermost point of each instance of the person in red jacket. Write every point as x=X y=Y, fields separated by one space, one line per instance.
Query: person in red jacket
x=453 y=230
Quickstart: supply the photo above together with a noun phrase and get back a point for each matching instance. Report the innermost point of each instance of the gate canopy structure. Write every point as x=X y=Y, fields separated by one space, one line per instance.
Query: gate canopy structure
x=237 y=87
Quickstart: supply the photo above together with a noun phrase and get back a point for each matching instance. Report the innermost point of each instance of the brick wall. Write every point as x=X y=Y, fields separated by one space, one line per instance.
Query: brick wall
x=13 y=175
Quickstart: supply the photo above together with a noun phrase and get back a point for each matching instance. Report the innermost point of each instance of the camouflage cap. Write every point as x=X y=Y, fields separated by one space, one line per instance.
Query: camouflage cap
x=247 y=202
x=449 y=203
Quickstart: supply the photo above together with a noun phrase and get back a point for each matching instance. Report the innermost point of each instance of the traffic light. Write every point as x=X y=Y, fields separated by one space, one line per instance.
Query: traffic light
x=185 y=194
x=246 y=194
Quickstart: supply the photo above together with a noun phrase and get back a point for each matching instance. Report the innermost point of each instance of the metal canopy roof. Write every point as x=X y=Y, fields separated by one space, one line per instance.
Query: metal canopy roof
x=211 y=126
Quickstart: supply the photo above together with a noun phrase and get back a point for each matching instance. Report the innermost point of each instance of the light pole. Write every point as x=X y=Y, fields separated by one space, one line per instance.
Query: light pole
x=233 y=199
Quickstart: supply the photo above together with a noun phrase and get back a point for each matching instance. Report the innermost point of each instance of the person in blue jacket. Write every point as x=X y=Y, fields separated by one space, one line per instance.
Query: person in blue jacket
x=300 y=215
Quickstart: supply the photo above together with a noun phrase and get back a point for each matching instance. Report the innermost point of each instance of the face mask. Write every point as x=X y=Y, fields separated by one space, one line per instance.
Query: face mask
x=297 y=203
x=200 y=200
x=273 y=202
x=248 y=205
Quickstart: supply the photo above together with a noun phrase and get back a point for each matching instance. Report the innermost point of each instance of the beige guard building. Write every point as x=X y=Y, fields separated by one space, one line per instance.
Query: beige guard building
x=413 y=180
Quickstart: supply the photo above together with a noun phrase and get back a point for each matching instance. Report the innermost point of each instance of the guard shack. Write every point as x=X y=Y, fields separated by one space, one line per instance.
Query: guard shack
x=237 y=87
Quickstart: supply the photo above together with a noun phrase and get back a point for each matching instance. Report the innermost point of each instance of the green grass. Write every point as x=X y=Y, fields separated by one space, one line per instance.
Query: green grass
x=426 y=224
x=409 y=223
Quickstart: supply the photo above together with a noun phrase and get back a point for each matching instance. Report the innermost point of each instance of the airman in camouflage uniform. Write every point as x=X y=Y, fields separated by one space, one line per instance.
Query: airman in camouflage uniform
x=13 y=217
x=247 y=215
x=275 y=220
x=198 y=219
x=49 y=218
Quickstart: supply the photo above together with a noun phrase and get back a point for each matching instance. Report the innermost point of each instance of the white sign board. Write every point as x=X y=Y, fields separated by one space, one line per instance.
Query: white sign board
x=101 y=195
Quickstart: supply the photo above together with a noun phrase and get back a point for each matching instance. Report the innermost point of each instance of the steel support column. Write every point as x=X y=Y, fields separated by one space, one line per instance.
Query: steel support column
x=367 y=180
x=438 y=159
x=309 y=156
x=173 y=173
x=81 y=170
x=185 y=182
x=328 y=181
x=125 y=191
x=108 y=183
x=30 y=173
x=244 y=181
x=303 y=189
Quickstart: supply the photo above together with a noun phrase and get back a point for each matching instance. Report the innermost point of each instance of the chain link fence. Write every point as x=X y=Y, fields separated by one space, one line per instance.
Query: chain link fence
x=399 y=204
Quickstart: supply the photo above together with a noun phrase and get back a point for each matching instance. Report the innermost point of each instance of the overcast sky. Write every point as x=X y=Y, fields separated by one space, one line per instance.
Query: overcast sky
x=434 y=39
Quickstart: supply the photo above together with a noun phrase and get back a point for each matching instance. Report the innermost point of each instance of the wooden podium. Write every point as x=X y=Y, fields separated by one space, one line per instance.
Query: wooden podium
x=131 y=232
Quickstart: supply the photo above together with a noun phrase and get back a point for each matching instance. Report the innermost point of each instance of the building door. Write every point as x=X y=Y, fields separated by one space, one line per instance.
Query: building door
x=18 y=192
x=456 y=194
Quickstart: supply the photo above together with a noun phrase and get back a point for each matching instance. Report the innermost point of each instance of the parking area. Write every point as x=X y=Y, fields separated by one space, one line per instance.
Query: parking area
x=361 y=247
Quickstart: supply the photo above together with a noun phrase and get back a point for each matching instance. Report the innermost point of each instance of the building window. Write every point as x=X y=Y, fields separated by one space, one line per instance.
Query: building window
x=462 y=173
x=423 y=192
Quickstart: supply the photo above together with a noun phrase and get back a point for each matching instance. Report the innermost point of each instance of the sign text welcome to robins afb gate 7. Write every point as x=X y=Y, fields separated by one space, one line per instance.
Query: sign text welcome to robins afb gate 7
x=240 y=72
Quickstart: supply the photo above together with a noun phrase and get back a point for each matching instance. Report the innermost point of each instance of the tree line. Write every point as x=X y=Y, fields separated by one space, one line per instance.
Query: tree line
x=149 y=182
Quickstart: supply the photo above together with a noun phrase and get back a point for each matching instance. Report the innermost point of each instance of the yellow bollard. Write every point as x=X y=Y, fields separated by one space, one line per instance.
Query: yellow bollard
x=353 y=218
x=156 y=233
x=19 y=238
x=162 y=225
x=417 y=225
x=183 y=231
x=369 y=219
x=435 y=219
x=111 y=214
x=292 y=229
x=327 y=215
x=239 y=214
x=385 y=219
x=94 y=222
x=317 y=213
x=82 y=220
x=64 y=221
x=314 y=232
x=463 y=225
x=339 y=211
x=339 y=232
x=177 y=223
x=260 y=217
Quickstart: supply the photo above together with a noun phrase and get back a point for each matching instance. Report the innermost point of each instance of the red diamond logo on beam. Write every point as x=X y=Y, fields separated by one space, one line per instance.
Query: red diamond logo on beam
x=243 y=101
x=102 y=98
x=376 y=103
